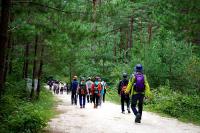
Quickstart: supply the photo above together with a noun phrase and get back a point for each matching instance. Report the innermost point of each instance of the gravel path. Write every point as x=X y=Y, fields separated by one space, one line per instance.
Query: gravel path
x=108 y=119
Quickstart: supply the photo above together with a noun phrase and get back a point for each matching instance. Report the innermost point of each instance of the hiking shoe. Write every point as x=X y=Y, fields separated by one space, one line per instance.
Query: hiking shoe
x=138 y=118
x=123 y=112
x=81 y=107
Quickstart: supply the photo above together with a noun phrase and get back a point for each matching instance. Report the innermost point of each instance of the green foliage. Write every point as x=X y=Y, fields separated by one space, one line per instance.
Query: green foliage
x=112 y=95
x=21 y=115
x=168 y=60
x=175 y=104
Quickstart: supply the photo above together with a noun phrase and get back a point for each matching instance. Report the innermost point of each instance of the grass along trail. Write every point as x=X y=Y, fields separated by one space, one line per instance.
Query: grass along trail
x=108 y=119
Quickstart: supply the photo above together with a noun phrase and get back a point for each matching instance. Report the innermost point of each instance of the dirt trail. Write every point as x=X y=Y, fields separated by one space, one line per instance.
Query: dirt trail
x=108 y=119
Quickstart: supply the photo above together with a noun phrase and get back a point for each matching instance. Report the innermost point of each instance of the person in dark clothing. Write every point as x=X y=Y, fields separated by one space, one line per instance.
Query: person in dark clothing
x=82 y=91
x=74 y=87
x=104 y=93
x=121 y=91
x=96 y=91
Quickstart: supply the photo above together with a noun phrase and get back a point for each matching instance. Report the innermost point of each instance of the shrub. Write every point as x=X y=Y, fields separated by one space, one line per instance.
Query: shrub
x=21 y=115
x=175 y=104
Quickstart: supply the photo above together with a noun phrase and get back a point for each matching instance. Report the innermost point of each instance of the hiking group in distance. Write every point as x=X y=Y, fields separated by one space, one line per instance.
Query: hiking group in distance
x=94 y=91
x=131 y=91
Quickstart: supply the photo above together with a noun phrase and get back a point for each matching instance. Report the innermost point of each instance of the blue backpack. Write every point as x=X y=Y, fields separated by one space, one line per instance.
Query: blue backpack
x=139 y=85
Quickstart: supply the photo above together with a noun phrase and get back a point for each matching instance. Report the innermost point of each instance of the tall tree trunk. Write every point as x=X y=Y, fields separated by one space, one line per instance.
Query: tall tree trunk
x=126 y=47
x=11 y=57
x=26 y=61
x=121 y=44
x=40 y=73
x=94 y=14
x=34 y=67
x=7 y=56
x=5 y=15
x=149 y=32
x=115 y=48
x=131 y=33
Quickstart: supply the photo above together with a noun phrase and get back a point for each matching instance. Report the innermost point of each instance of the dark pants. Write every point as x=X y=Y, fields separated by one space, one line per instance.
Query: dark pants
x=74 y=98
x=82 y=100
x=88 y=98
x=91 y=98
x=61 y=90
x=137 y=98
x=95 y=99
x=125 y=98
x=104 y=95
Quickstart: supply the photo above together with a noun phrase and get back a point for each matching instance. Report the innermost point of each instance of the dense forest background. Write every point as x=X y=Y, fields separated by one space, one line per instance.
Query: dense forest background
x=62 y=38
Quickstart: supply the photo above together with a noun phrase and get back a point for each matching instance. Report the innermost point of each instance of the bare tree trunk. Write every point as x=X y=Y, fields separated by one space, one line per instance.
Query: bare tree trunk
x=126 y=48
x=94 y=14
x=26 y=61
x=11 y=57
x=131 y=33
x=115 y=49
x=121 y=44
x=150 y=32
x=40 y=73
x=34 y=68
x=7 y=56
x=5 y=16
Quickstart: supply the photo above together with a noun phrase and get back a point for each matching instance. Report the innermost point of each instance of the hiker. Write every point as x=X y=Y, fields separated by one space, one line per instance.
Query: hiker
x=89 y=84
x=68 y=88
x=103 y=85
x=82 y=91
x=139 y=89
x=104 y=92
x=50 y=83
x=56 y=87
x=74 y=87
x=96 y=89
x=121 y=91
x=65 y=87
x=61 y=87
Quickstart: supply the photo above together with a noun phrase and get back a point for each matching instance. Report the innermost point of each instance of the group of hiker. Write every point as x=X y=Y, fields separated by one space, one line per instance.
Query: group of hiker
x=137 y=88
x=58 y=87
x=132 y=91
x=94 y=91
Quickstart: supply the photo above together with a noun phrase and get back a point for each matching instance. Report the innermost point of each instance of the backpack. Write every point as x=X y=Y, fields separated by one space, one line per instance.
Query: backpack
x=96 y=91
x=123 y=88
x=139 y=85
x=83 y=89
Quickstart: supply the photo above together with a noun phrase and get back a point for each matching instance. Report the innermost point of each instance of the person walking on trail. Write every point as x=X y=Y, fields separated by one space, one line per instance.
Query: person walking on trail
x=82 y=91
x=74 y=87
x=96 y=90
x=103 y=91
x=121 y=91
x=89 y=84
x=139 y=88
